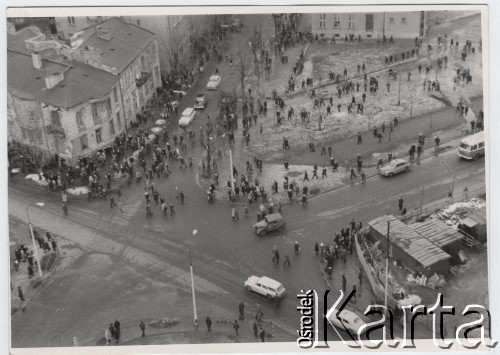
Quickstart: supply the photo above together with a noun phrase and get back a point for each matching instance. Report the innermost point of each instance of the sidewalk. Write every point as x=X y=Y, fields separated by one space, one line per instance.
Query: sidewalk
x=446 y=124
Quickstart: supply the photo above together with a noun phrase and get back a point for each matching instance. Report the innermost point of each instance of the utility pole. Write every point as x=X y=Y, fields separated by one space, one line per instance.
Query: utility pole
x=421 y=199
x=195 y=313
x=399 y=89
x=231 y=169
x=40 y=204
x=387 y=265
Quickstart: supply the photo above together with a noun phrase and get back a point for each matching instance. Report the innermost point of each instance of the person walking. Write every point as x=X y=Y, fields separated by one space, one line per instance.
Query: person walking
x=116 y=325
x=344 y=282
x=262 y=334
x=316 y=248
x=400 y=203
x=236 y=327
x=65 y=209
x=142 y=327
x=255 y=330
x=360 y=139
x=241 y=308
x=20 y=293
x=107 y=335
x=208 y=321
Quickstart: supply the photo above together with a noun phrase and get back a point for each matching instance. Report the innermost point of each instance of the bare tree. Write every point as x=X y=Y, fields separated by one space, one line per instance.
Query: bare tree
x=243 y=63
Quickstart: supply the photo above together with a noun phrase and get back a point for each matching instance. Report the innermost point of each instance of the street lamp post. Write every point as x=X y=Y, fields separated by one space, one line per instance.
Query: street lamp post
x=195 y=313
x=39 y=204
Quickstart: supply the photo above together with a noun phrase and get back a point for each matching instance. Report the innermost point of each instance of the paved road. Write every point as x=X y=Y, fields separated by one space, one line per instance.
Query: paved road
x=225 y=253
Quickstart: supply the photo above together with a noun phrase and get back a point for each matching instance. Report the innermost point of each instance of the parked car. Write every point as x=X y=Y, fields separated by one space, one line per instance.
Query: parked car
x=265 y=286
x=269 y=223
x=187 y=117
x=201 y=101
x=214 y=82
x=346 y=318
x=396 y=166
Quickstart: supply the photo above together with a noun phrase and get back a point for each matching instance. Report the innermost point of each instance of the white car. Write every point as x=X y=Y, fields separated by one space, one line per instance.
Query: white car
x=214 y=82
x=346 y=318
x=267 y=287
x=396 y=166
x=187 y=117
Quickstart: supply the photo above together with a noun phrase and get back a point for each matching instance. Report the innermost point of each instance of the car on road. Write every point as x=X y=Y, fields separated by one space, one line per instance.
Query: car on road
x=201 y=101
x=265 y=286
x=472 y=147
x=347 y=319
x=187 y=117
x=269 y=223
x=396 y=166
x=214 y=82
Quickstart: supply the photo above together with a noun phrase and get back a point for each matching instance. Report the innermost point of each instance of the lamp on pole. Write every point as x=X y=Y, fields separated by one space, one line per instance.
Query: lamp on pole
x=37 y=204
x=195 y=313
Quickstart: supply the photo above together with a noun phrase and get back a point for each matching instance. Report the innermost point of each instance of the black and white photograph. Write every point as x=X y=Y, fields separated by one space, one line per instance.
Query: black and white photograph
x=245 y=175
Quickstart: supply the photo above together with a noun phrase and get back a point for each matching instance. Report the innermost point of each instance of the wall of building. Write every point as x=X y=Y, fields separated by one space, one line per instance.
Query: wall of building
x=67 y=26
x=133 y=97
x=27 y=125
x=396 y=24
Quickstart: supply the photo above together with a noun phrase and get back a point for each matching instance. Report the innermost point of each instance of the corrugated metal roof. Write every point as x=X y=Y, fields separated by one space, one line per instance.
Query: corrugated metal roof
x=437 y=232
x=405 y=237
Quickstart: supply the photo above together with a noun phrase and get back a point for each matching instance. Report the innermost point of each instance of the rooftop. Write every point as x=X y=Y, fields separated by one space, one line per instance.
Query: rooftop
x=437 y=232
x=120 y=42
x=81 y=82
x=405 y=237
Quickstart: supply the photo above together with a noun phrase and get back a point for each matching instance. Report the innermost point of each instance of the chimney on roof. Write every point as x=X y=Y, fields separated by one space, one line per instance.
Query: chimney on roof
x=37 y=60
x=52 y=80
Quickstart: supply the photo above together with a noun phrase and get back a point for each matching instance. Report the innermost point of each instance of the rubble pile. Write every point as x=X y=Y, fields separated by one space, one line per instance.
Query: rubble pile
x=453 y=214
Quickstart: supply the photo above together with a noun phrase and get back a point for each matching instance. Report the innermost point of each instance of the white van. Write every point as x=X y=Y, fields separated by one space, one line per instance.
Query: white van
x=187 y=117
x=472 y=147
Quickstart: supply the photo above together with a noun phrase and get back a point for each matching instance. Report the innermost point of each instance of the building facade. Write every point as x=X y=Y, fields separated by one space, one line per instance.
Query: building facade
x=409 y=24
x=73 y=100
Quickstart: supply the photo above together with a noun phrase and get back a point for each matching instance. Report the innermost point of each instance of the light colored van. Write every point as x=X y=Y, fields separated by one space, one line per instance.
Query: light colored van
x=472 y=147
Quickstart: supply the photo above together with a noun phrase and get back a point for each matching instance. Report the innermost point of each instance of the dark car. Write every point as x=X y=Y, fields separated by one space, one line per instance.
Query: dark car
x=271 y=222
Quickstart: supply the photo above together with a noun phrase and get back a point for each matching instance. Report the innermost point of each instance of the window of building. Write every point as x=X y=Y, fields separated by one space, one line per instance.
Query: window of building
x=79 y=119
x=403 y=20
x=55 y=119
x=84 y=142
x=115 y=95
x=322 y=21
x=336 y=20
x=31 y=115
x=350 y=21
x=391 y=19
x=95 y=114
x=111 y=127
x=98 y=135
x=118 y=120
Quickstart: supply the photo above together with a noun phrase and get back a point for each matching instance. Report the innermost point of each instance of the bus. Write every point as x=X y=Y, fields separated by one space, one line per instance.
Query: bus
x=472 y=147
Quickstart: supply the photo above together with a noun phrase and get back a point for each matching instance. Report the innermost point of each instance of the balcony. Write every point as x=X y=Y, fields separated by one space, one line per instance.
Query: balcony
x=142 y=79
x=55 y=129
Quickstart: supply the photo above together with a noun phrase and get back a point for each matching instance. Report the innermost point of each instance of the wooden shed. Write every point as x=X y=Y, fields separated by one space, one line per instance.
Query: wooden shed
x=408 y=247
x=442 y=235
